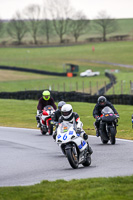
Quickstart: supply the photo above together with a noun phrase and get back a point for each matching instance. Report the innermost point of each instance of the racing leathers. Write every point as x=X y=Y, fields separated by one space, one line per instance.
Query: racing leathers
x=97 y=112
x=41 y=104
x=75 y=117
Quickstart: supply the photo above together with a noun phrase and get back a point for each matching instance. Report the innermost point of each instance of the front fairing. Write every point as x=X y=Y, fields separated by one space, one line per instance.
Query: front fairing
x=47 y=112
x=108 y=115
x=66 y=134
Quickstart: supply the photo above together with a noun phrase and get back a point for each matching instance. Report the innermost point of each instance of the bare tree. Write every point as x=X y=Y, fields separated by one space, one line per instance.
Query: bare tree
x=60 y=12
x=1 y=26
x=46 y=25
x=78 y=25
x=17 y=28
x=33 y=14
x=105 y=24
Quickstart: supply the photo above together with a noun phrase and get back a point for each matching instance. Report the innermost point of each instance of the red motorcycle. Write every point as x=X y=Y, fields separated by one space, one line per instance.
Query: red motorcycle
x=45 y=120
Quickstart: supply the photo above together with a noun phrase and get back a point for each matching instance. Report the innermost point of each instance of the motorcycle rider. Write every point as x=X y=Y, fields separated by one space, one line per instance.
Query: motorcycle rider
x=101 y=103
x=57 y=115
x=45 y=100
x=70 y=116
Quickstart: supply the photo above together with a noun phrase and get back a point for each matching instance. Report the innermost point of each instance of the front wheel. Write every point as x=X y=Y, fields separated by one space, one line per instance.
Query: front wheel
x=43 y=132
x=112 y=135
x=50 y=129
x=72 y=156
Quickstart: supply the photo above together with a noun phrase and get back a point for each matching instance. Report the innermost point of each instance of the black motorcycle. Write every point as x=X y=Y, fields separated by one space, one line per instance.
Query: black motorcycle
x=108 y=123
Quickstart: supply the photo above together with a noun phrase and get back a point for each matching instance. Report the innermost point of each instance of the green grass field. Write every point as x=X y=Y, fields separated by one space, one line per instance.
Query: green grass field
x=52 y=59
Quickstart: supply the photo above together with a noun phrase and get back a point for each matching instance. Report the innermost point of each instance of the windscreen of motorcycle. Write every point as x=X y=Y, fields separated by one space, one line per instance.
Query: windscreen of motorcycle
x=65 y=126
x=107 y=110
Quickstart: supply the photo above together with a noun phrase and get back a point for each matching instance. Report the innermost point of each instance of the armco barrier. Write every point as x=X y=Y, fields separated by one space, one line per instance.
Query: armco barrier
x=67 y=96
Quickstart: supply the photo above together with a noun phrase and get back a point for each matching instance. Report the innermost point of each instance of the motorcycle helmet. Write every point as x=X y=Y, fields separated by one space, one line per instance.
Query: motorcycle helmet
x=60 y=104
x=66 y=111
x=102 y=101
x=46 y=95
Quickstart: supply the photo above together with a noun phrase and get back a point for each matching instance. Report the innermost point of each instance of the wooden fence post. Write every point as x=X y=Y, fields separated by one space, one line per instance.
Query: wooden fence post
x=113 y=88
x=77 y=86
x=105 y=87
x=131 y=87
x=53 y=87
x=64 y=86
x=83 y=86
x=58 y=87
x=121 y=87
x=70 y=86
x=90 y=88
x=97 y=88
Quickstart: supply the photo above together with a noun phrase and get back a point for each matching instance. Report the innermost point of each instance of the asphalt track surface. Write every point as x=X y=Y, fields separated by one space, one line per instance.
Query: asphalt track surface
x=27 y=158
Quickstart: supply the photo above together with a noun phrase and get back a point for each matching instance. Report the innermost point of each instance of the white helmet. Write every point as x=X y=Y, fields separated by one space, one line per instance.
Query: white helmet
x=66 y=111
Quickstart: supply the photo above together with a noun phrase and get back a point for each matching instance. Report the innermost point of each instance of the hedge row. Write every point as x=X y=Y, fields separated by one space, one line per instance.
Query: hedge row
x=67 y=96
x=36 y=71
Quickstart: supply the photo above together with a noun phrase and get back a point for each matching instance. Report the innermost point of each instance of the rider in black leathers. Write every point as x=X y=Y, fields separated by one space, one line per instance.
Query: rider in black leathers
x=57 y=115
x=101 y=103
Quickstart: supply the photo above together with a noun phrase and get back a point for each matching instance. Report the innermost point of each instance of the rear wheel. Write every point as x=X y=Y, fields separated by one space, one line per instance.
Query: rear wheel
x=104 y=141
x=88 y=161
x=72 y=156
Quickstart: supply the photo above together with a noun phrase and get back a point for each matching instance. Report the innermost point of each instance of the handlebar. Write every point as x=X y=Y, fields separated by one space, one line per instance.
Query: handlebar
x=54 y=123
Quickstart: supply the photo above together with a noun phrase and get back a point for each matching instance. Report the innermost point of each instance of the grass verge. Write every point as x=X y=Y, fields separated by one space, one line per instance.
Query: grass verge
x=118 y=188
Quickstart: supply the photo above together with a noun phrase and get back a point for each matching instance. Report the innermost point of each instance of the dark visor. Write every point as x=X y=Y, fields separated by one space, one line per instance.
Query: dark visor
x=66 y=113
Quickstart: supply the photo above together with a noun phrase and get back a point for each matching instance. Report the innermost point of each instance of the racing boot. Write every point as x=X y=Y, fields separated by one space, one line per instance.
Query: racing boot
x=38 y=125
x=97 y=133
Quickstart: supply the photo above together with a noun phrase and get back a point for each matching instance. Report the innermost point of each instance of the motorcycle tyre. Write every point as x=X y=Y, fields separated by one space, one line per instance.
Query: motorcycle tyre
x=88 y=161
x=50 y=129
x=70 y=156
x=104 y=141
x=43 y=132
x=112 y=135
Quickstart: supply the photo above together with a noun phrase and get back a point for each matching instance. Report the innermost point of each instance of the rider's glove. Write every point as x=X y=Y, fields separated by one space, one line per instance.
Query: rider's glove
x=78 y=130
x=96 y=116
x=40 y=112
x=99 y=118
x=117 y=115
x=85 y=136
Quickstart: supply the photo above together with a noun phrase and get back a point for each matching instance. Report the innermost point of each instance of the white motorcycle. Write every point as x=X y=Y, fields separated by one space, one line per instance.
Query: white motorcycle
x=74 y=147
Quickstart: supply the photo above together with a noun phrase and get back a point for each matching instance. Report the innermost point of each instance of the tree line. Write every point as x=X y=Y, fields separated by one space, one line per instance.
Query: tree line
x=54 y=18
